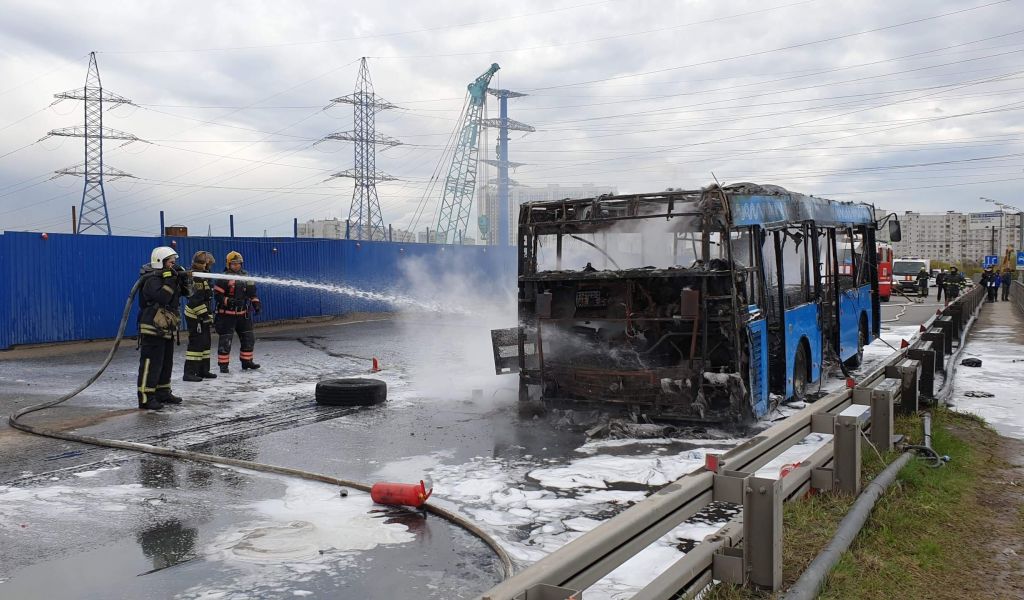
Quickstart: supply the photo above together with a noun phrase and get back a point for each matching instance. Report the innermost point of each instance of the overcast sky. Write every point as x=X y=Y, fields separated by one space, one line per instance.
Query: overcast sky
x=909 y=105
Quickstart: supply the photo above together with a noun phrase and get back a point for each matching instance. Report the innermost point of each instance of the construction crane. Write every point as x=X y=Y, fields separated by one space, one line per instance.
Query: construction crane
x=457 y=198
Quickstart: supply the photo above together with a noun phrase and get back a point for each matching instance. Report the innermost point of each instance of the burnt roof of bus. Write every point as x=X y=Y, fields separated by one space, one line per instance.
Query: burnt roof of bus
x=748 y=204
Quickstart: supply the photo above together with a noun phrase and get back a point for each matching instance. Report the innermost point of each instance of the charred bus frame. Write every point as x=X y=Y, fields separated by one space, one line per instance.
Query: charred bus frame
x=753 y=318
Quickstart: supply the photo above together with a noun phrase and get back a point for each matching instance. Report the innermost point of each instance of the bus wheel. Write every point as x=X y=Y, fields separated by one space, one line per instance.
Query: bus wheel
x=800 y=374
x=862 y=338
x=884 y=298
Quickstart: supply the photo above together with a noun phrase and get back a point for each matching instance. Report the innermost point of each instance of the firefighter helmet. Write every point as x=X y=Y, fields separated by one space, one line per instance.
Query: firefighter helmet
x=202 y=260
x=159 y=255
x=233 y=257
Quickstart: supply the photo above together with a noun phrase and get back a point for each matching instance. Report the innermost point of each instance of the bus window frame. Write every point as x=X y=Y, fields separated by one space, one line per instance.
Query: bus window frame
x=781 y=235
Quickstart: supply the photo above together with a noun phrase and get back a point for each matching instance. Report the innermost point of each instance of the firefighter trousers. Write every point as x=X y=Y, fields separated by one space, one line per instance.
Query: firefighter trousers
x=227 y=325
x=197 y=356
x=156 y=358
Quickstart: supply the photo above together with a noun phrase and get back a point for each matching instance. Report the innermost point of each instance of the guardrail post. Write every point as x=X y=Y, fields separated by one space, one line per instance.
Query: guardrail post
x=949 y=330
x=881 y=415
x=938 y=340
x=729 y=564
x=846 y=447
x=762 y=532
x=923 y=353
x=907 y=372
x=955 y=313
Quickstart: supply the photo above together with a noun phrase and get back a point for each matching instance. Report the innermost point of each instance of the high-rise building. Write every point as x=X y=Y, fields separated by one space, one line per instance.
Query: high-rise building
x=957 y=237
x=487 y=203
x=332 y=229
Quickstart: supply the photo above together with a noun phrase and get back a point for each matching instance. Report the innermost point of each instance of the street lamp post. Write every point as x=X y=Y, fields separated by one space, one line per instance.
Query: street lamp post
x=1003 y=207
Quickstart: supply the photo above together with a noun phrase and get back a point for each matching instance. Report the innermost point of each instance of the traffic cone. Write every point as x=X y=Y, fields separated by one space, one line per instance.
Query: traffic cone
x=376 y=365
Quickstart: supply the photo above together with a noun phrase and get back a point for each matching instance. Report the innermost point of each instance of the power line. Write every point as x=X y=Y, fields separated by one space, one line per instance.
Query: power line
x=358 y=37
x=772 y=50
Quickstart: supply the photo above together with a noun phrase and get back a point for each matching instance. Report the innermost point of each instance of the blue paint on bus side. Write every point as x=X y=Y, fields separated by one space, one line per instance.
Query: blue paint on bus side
x=757 y=332
x=802 y=323
x=852 y=304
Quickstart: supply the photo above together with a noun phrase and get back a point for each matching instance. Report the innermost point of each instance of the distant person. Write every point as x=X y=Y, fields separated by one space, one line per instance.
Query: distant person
x=940 y=280
x=991 y=281
x=1007 y=279
x=163 y=285
x=954 y=283
x=234 y=301
x=922 y=283
x=199 y=322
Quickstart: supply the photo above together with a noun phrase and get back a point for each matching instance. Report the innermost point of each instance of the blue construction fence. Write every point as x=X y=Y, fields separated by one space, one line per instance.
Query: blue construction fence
x=66 y=287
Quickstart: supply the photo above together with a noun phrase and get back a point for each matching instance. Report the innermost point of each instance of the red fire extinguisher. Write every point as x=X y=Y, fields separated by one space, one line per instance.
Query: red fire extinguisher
x=400 y=494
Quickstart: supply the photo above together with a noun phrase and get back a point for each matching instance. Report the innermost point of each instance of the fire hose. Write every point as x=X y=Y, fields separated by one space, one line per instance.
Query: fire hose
x=15 y=421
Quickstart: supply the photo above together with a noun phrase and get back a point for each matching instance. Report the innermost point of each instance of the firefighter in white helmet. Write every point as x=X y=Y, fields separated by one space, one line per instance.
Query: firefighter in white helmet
x=160 y=292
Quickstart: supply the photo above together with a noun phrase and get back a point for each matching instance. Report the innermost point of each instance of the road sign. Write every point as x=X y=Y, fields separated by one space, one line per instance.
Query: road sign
x=990 y=261
x=1020 y=260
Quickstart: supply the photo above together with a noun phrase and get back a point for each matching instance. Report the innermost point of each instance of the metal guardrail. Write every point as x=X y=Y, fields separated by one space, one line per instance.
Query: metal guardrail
x=1017 y=294
x=749 y=550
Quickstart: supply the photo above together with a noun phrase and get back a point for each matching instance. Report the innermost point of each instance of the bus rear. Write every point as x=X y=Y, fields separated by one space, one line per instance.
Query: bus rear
x=705 y=305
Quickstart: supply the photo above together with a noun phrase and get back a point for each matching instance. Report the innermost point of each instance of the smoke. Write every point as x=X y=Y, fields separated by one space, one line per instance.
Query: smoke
x=452 y=353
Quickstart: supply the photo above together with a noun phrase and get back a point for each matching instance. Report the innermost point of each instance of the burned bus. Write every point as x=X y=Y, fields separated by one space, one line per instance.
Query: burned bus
x=709 y=305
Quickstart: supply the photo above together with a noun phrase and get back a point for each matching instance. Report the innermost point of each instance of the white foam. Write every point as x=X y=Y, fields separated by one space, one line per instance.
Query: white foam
x=310 y=520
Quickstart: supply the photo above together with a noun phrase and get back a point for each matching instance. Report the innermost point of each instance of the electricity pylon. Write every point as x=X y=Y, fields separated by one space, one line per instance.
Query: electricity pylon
x=93 y=213
x=364 y=212
x=504 y=125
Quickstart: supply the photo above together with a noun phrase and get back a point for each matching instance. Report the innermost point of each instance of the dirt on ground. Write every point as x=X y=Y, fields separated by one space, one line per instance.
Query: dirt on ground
x=1000 y=494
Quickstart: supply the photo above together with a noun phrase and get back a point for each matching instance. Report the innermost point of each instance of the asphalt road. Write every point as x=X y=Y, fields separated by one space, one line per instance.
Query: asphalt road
x=83 y=522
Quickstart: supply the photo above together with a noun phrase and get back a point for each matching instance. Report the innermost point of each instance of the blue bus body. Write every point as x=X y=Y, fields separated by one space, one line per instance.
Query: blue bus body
x=751 y=302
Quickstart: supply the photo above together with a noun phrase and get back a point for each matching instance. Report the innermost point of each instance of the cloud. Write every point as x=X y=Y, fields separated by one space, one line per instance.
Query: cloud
x=639 y=95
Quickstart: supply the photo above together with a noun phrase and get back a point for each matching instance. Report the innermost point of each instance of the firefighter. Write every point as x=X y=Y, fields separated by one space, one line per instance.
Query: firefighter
x=922 y=284
x=199 y=321
x=955 y=282
x=234 y=301
x=163 y=285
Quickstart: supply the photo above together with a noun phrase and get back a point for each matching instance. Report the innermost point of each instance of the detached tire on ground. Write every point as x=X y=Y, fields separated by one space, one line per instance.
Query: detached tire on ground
x=351 y=392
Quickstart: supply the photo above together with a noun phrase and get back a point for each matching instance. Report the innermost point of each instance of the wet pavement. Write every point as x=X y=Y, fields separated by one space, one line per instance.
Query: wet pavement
x=993 y=390
x=84 y=522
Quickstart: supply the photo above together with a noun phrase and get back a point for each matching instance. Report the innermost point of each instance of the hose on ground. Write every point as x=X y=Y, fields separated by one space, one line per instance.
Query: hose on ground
x=15 y=421
x=813 y=578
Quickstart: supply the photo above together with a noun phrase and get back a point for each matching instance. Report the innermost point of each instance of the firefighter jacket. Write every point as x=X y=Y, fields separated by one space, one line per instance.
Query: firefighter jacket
x=234 y=298
x=956 y=280
x=198 y=306
x=160 y=300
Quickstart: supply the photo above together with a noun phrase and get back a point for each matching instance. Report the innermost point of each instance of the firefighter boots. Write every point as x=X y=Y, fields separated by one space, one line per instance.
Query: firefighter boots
x=191 y=371
x=150 y=403
x=223 y=368
x=164 y=396
x=248 y=364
